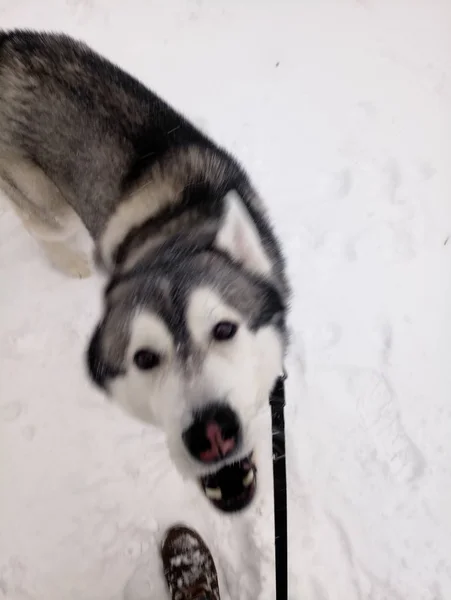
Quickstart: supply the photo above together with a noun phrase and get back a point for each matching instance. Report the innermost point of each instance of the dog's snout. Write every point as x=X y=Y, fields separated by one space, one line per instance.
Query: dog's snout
x=214 y=433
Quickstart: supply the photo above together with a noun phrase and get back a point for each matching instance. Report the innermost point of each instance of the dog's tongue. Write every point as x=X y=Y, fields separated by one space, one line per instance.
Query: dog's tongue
x=233 y=487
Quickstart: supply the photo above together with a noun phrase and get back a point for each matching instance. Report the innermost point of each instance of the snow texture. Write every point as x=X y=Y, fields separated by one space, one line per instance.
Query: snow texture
x=341 y=111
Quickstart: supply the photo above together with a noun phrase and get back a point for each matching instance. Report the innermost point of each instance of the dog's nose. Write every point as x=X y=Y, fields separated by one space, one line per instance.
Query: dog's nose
x=214 y=433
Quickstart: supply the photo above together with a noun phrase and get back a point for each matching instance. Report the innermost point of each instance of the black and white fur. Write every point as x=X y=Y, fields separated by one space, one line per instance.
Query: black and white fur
x=176 y=224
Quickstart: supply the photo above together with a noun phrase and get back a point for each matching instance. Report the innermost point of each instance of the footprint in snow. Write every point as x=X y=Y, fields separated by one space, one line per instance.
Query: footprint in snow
x=380 y=417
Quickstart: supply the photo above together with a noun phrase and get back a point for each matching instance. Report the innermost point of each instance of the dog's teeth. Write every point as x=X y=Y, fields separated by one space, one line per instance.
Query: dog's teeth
x=213 y=493
x=248 y=479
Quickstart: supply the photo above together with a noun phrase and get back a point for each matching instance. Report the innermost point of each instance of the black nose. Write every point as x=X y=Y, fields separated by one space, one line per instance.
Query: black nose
x=214 y=433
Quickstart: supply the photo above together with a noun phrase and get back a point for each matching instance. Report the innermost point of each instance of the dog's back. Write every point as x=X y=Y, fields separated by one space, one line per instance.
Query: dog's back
x=77 y=136
x=58 y=99
x=81 y=138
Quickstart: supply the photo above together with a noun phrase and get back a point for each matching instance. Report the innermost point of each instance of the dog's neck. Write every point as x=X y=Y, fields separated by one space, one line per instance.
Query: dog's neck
x=157 y=208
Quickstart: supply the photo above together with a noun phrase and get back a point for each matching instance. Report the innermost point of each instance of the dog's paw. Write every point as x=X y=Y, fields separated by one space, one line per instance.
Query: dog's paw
x=70 y=262
x=81 y=270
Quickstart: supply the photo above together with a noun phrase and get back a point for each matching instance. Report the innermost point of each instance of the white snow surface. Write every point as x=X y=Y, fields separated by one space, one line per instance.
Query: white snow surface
x=341 y=112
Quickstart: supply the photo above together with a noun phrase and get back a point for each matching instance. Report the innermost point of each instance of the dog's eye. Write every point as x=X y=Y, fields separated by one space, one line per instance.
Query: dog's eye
x=225 y=330
x=146 y=359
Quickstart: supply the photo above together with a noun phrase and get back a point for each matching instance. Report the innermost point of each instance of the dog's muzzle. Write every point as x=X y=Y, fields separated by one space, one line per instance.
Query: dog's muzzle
x=233 y=487
x=213 y=437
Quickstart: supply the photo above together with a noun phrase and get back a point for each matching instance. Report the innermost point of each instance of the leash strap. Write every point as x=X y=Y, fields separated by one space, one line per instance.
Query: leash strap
x=277 y=402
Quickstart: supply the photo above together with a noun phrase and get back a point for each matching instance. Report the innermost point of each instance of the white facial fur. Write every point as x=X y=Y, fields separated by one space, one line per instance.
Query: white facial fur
x=139 y=392
x=240 y=372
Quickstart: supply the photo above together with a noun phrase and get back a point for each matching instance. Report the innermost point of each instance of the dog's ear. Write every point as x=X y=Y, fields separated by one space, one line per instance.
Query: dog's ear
x=239 y=238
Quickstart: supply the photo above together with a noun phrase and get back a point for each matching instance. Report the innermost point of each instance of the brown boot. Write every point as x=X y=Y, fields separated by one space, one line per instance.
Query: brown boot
x=188 y=566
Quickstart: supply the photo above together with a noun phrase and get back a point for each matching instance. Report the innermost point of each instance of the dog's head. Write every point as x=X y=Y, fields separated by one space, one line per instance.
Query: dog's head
x=193 y=342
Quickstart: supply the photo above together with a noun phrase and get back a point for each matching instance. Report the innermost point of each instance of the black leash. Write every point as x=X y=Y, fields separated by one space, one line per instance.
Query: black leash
x=277 y=402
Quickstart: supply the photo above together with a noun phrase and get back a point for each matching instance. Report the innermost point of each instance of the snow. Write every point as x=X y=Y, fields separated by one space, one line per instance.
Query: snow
x=340 y=110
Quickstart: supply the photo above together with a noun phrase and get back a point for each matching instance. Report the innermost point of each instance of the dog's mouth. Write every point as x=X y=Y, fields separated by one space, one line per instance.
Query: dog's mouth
x=232 y=488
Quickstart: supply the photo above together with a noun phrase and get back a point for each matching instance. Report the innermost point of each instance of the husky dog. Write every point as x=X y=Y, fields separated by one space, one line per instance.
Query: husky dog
x=193 y=332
